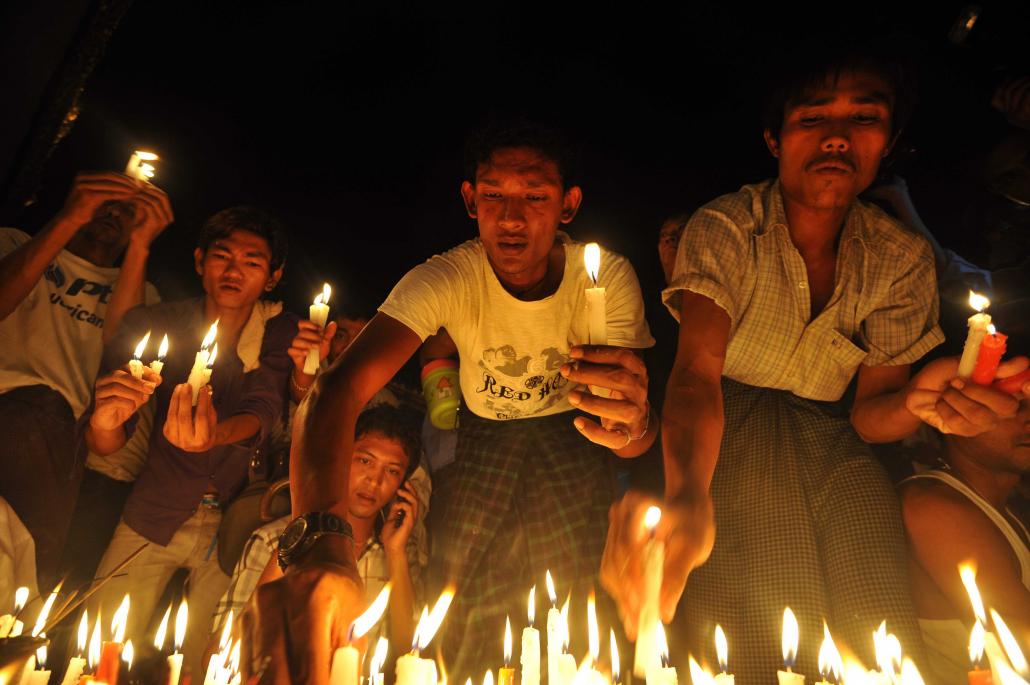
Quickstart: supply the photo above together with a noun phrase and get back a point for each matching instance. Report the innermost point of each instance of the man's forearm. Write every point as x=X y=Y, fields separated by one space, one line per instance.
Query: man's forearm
x=402 y=600
x=104 y=442
x=692 y=426
x=237 y=429
x=884 y=418
x=128 y=289
x=22 y=269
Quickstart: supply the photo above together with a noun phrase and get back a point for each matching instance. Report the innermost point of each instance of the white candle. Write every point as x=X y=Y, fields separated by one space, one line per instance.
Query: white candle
x=346 y=666
x=647 y=655
x=76 y=665
x=597 y=321
x=594 y=676
x=554 y=634
x=375 y=670
x=218 y=661
x=135 y=364
x=663 y=673
x=200 y=374
x=616 y=666
x=530 y=658
x=25 y=677
x=10 y=626
x=412 y=669
x=699 y=676
x=977 y=330
x=318 y=312
x=174 y=660
x=830 y=662
x=722 y=652
x=158 y=364
x=790 y=651
x=140 y=166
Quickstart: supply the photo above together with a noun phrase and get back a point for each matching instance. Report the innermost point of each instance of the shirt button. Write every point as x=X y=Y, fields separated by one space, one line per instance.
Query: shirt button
x=801 y=284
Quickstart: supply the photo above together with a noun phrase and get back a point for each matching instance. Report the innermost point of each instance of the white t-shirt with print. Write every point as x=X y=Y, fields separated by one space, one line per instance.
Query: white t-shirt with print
x=55 y=336
x=511 y=350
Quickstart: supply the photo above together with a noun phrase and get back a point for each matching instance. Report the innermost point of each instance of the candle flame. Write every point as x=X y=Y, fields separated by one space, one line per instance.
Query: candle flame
x=146 y=170
x=234 y=658
x=44 y=613
x=427 y=630
x=423 y=619
x=651 y=519
x=127 y=654
x=94 y=645
x=722 y=649
x=41 y=656
x=212 y=333
x=531 y=606
x=507 y=641
x=1008 y=641
x=592 y=630
x=223 y=641
x=83 y=633
x=592 y=260
x=991 y=330
x=855 y=673
x=159 y=638
x=142 y=345
x=468 y=681
x=488 y=677
x=565 y=622
x=613 y=645
x=888 y=651
x=364 y=623
x=910 y=674
x=146 y=156
x=976 y=644
x=326 y=291
x=698 y=675
x=162 y=351
x=830 y=662
x=379 y=656
x=661 y=643
x=21 y=596
x=550 y=589
x=181 y=619
x=790 y=638
x=1007 y=675
x=978 y=301
x=968 y=575
x=211 y=359
x=121 y=618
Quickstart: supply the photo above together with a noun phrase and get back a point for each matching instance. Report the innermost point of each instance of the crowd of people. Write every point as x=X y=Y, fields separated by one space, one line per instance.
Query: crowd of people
x=808 y=310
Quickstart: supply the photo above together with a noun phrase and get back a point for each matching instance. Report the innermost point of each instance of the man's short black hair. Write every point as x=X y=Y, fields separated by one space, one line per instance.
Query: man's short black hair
x=818 y=62
x=244 y=218
x=393 y=423
x=501 y=134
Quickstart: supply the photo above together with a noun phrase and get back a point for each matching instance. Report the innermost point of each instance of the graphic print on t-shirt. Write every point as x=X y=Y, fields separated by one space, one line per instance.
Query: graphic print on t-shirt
x=511 y=379
x=80 y=287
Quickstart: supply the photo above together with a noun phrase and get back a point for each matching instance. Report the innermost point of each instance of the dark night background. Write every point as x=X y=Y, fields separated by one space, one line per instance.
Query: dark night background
x=347 y=119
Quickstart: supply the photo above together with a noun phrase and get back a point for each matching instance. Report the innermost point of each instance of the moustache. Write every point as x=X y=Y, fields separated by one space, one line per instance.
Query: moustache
x=831 y=159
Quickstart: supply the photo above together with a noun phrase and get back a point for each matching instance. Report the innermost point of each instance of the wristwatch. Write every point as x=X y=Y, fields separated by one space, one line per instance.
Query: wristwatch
x=302 y=532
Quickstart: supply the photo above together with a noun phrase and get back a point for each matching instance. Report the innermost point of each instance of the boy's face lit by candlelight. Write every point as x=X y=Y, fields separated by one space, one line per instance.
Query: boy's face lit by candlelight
x=833 y=139
x=236 y=270
x=376 y=472
x=519 y=201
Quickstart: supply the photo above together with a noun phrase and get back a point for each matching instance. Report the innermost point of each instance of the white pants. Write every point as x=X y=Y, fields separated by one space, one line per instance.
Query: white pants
x=194 y=546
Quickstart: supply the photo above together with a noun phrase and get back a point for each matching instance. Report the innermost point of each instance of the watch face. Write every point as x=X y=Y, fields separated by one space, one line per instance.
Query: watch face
x=292 y=535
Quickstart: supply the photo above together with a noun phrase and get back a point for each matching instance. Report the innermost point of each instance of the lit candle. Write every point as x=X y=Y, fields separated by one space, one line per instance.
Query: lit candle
x=530 y=658
x=346 y=665
x=597 y=320
x=830 y=663
x=111 y=652
x=200 y=374
x=135 y=365
x=977 y=330
x=910 y=674
x=40 y=676
x=28 y=674
x=375 y=670
x=412 y=669
x=698 y=675
x=1011 y=645
x=10 y=626
x=722 y=651
x=663 y=673
x=566 y=662
x=77 y=664
x=127 y=655
x=218 y=661
x=646 y=656
x=992 y=349
x=162 y=352
x=593 y=675
x=506 y=675
x=140 y=166
x=554 y=633
x=488 y=678
x=978 y=675
x=613 y=646
x=790 y=651
x=887 y=649
x=318 y=312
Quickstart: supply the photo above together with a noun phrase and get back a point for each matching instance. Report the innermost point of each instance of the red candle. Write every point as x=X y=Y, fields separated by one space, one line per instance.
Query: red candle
x=980 y=676
x=110 y=663
x=991 y=350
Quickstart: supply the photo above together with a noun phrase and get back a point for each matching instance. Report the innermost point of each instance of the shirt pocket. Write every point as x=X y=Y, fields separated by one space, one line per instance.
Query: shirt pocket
x=827 y=361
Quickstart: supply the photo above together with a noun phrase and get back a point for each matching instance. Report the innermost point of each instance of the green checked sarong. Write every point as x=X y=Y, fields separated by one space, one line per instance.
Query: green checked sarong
x=523 y=497
x=805 y=517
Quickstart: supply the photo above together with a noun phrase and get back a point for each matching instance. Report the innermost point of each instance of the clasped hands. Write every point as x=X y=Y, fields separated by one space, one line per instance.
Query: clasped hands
x=624 y=415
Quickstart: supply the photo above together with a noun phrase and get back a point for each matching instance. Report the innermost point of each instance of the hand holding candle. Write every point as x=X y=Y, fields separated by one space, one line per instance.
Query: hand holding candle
x=319 y=314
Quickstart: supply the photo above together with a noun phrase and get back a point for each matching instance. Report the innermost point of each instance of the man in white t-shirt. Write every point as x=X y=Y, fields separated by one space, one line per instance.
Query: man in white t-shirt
x=533 y=485
x=60 y=295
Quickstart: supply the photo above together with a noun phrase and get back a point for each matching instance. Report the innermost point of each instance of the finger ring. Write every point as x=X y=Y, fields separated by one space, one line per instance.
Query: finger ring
x=629 y=439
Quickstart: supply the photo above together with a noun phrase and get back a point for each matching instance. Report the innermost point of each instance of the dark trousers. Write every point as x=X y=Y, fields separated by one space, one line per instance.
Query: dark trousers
x=97 y=512
x=40 y=468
